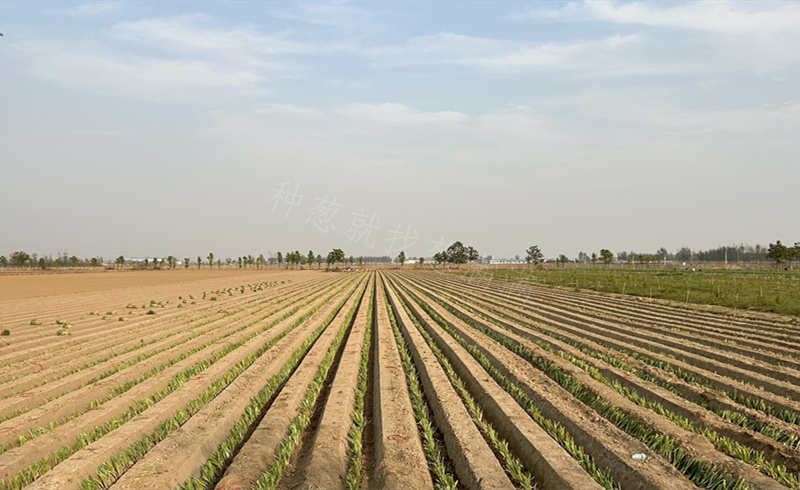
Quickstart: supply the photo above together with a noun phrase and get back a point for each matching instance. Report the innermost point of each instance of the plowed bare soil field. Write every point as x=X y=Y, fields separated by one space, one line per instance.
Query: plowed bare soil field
x=393 y=379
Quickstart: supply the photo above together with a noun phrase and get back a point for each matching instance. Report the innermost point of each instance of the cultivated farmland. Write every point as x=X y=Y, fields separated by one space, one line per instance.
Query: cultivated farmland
x=390 y=379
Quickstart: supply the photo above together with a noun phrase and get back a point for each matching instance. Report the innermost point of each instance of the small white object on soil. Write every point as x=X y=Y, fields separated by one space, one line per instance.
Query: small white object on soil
x=640 y=457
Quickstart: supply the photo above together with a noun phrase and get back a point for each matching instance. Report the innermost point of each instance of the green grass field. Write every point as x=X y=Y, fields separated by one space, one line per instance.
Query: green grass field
x=772 y=291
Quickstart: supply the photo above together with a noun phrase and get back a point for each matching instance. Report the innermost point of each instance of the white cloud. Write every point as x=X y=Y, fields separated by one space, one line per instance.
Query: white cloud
x=96 y=68
x=293 y=111
x=553 y=55
x=500 y=54
x=153 y=56
x=196 y=34
x=722 y=16
x=91 y=9
x=393 y=114
x=338 y=14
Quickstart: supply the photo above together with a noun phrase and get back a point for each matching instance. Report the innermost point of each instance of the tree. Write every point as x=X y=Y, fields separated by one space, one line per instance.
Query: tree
x=684 y=254
x=19 y=258
x=472 y=254
x=199 y=261
x=210 y=259
x=319 y=261
x=171 y=261
x=594 y=257
x=310 y=258
x=280 y=258
x=74 y=261
x=186 y=262
x=120 y=261
x=421 y=260
x=440 y=257
x=401 y=258
x=261 y=260
x=361 y=261
x=534 y=255
x=334 y=256
x=146 y=262
x=457 y=253
x=3 y=261
x=42 y=264
x=563 y=259
x=778 y=252
x=583 y=257
x=606 y=256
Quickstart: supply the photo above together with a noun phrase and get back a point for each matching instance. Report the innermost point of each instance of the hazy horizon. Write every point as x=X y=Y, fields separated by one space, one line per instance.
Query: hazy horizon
x=152 y=129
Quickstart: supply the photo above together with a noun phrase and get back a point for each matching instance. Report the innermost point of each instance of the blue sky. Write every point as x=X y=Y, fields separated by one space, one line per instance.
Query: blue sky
x=155 y=128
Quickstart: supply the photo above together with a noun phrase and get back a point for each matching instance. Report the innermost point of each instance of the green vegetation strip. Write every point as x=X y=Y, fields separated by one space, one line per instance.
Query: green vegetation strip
x=39 y=468
x=511 y=464
x=213 y=469
x=359 y=421
x=557 y=431
x=431 y=446
x=270 y=478
x=702 y=473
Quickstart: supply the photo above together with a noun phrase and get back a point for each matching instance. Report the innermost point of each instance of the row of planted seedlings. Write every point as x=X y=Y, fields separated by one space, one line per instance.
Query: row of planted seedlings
x=695 y=422
x=710 y=358
x=130 y=384
x=759 y=453
x=706 y=323
x=680 y=383
x=45 y=464
x=741 y=410
x=609 y=446
x=433 y=447
x=683 y=457
x=355 y=435
x=553 y=428
x=178 y=380
x=509 y=458
x=742 y=318
x=185 y=336
x=683 y=384
x=719 y=327
x=215 y=466
x=271 y=476
x=58 y=371
x=469 y=447
x=97 y=324
x=739 y=391
x=110 y=471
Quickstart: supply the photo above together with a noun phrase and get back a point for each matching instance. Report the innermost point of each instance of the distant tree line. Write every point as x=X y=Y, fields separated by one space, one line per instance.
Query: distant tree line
x=23 y=259
x=775 y=252
x=457 y=253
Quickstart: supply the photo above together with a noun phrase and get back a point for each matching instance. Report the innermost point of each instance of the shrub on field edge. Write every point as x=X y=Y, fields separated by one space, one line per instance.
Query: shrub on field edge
x=5 y=333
